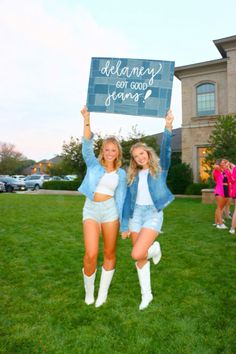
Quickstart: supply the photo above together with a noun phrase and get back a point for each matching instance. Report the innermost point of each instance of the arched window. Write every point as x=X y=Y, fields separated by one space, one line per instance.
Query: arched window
x=206 y=99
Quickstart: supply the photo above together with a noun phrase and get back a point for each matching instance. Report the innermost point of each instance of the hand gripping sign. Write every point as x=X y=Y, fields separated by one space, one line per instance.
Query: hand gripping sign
x=130 y=86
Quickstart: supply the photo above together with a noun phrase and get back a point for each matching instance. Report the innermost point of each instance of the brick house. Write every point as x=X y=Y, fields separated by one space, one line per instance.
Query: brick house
x=42 y=166
x=208 y=91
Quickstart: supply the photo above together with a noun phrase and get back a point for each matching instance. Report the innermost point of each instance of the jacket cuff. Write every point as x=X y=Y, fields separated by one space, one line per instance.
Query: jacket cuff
x=168 y=132
x=84 y=139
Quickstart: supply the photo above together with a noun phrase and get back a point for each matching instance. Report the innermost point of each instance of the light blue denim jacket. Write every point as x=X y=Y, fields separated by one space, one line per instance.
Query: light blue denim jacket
x=160 y=194
x=94 y=173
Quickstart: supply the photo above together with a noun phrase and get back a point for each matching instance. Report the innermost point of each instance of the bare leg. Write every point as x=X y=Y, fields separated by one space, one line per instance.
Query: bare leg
x=234 y=216
x=221 y=202
x=110 y=234
x=227 y=208
x=141 y=243
x=91 y=243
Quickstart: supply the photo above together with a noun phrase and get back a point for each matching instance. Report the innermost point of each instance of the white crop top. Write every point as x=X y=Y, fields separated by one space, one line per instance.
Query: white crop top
x=143 y=194
x=108 y=183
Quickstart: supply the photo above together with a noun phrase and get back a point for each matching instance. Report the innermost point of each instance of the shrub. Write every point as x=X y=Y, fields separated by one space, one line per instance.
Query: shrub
x=196 y=188
x=179 y=177
x=62 y=185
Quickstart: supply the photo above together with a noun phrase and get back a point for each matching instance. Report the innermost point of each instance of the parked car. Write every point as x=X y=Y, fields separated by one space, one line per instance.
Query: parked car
x=70 y=177
x=12 y=184
x=56 y=178
x=35 y=182
x=2 y=187
x=19 y=177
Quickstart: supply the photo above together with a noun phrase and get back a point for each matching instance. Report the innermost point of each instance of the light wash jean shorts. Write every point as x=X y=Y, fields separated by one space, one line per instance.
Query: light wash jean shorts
x=100 y=211
x=146 y=216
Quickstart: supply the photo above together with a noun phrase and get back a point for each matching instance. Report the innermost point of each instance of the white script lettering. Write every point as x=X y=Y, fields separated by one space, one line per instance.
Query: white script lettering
x=109 y=69
x=114 y=96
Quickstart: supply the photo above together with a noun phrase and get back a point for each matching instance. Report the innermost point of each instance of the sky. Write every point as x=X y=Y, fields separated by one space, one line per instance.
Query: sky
x=45 y=54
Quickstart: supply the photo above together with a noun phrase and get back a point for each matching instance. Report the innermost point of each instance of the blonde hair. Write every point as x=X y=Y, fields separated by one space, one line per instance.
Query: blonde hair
x=118 y=160
x=134 y=168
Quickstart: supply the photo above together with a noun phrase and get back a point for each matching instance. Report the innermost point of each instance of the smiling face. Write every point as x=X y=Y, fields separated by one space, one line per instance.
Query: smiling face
x=141 y=157
x=110 y=152
x=223 y=164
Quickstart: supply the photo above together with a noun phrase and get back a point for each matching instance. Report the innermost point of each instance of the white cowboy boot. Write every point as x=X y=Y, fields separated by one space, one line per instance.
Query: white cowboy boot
x=105 y=282
x=154 y=252
x=89 y=287
x=145 y=284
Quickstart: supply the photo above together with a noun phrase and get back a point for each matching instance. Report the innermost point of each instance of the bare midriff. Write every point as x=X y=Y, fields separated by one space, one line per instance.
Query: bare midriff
x=99 y=197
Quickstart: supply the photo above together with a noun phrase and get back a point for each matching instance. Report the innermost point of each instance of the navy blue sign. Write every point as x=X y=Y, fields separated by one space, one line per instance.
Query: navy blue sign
x=130 y=86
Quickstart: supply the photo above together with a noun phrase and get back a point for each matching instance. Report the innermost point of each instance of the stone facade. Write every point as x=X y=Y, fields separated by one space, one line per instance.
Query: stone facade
x=222 y=73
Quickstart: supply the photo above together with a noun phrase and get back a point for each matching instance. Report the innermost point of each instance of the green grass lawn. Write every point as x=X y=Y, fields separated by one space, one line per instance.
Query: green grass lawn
x=42 y=307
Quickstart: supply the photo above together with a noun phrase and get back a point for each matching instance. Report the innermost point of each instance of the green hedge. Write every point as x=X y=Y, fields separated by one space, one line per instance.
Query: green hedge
x=191 y=189
x=62 y=185
x=196 y=188
x=179 y=178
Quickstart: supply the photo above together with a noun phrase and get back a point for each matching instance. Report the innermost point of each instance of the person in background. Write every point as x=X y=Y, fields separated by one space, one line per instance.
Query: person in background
x=222 y=178
x=147 y=196
x=226 y=211
x=232 y=169
x=104 y=186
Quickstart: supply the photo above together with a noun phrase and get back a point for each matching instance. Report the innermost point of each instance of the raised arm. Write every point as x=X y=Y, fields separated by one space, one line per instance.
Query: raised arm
x=165 y=152
x=169 y=120
x=87 y=146
x=87 y=130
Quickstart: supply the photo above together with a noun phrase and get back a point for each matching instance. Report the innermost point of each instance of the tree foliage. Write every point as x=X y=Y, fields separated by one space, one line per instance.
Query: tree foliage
x=73 y=162
x=72 y=159
x=11 y=160
x=222 y=141
x=134 y=137
x=180 y=176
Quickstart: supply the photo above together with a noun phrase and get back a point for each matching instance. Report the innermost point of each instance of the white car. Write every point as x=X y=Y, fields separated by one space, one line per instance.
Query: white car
x=2 y=187
x=19 y=177
x=35 y=182
x=70 y=177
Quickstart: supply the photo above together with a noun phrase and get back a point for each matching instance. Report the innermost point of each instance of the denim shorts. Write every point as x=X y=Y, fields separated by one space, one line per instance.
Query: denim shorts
x=100 y=211
x=146 y=216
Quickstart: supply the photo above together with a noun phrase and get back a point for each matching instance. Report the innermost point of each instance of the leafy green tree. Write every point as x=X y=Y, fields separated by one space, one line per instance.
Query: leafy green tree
x=134 y=137
x=57 y=169
x=23 y=165
x=11 y=160
x=72 y=160
x=180 y=176
x=222 y=141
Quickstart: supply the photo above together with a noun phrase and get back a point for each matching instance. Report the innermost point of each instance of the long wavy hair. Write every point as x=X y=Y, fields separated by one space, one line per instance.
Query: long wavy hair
x=134 y=168
x=118 y=160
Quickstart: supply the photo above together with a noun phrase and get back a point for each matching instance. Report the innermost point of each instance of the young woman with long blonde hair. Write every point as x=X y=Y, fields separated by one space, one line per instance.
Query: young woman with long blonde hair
x=147 y=196
x=104 y=186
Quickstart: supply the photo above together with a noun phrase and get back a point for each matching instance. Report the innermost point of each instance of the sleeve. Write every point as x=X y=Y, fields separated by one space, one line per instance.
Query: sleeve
x=165 y=151
x=216 y=174
x=120 y=192
x=126 y=212
x=234 y=174
x=88 y=151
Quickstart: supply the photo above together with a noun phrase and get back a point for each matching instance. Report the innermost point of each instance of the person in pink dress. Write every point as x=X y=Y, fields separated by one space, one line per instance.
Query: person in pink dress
x=232 y=169
x=222 y=178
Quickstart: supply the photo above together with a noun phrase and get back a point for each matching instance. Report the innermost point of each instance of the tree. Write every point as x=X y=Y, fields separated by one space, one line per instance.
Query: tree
x=72 y=160
x=11 y=161
x=222 y=141
x=134 y=137
x=180 y=176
